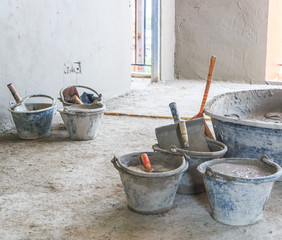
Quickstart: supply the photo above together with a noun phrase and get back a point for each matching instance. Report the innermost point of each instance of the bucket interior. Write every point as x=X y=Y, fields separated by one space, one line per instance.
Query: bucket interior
x=160 y=162
x=34 y=103
x=83 y=108
x=261 y=105
x=267 y=169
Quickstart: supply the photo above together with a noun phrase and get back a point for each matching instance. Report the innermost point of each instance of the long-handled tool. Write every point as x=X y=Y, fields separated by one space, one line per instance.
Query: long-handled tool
x=208 y=84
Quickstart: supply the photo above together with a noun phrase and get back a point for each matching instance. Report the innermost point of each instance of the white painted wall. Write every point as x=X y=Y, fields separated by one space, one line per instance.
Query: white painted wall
x=38 y=37
x=233 y=30
x=167 y=40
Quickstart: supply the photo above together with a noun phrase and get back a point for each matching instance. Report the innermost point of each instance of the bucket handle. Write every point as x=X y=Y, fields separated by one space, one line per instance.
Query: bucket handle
x=195 y=154
x=96 y=99
x=114 y=162
x=156 y=148
x=24 y=99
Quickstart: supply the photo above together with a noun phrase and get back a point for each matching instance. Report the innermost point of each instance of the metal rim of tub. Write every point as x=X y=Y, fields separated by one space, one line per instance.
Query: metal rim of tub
x=205 y=169
x=195 y=154
x=240 y=121
x=53 y=103
x=96 y=99
x=83 y=109
x=119 y=166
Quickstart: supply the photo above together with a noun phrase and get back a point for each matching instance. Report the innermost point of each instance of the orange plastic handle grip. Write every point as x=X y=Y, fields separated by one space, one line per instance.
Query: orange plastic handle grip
x=146 y=162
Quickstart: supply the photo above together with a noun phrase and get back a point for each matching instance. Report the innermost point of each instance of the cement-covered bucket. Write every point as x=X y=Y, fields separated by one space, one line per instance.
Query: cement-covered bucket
x=95 y=98
x=249 y=122
x=191 y=181
x=33 y=117
x=82 y=121
x=150 y=192
x=238 y=188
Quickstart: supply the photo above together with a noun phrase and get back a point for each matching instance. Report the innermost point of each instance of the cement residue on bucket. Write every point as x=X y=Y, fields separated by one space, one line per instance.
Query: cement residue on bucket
x=234 y=200
x=33 y=117
x=150 y=192
x=155 y=168
x=240 y=170
x=82 y=121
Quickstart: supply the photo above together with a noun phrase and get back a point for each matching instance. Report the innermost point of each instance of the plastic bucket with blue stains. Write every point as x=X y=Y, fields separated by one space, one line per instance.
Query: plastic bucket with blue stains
x=238 y=188
x=82 y=121
x=33 y=117
x=150 y=192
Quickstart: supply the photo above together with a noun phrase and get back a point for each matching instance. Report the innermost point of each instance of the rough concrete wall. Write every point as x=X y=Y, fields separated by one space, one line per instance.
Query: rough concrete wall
x=274 y=41
x=39 y=37
x=167 y=40
x=233 y=30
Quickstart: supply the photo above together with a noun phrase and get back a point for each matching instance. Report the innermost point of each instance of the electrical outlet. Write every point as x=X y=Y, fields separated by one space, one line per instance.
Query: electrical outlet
x=67 y=68
x=76 y=67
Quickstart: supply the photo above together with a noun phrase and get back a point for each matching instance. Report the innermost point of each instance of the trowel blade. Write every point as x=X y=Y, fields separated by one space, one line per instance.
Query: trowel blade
x=170 y=135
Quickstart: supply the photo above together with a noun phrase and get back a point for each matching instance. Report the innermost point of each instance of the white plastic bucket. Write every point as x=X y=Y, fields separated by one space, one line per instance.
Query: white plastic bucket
x=82 y=121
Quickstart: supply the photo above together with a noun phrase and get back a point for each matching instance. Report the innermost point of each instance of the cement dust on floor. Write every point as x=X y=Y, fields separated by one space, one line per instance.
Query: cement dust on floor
x=55 y=188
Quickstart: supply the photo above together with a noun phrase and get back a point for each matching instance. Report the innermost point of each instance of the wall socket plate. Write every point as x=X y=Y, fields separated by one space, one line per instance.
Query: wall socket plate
x=74 y=67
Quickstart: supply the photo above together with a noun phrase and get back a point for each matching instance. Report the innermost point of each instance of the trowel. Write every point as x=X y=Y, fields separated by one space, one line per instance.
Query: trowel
x=174 y=134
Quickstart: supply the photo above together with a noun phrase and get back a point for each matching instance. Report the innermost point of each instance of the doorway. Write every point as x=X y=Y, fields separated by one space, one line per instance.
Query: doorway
x=144 y=38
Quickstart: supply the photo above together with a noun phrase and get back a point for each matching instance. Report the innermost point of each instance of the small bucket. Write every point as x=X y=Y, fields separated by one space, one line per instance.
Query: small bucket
x=150 y=192
x=97 y=97
x=192 y=181
x=82 y=121
x=238 y=201
x=33 y=120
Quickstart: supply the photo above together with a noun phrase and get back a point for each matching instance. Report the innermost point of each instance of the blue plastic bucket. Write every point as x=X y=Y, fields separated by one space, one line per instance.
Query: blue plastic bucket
x=34 y=120
x=238 y=201
x=150 y=192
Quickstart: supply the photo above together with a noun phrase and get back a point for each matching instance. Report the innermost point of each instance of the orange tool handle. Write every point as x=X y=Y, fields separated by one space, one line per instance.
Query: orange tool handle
x=14 y=92
x=146 y=162
x=208 y=84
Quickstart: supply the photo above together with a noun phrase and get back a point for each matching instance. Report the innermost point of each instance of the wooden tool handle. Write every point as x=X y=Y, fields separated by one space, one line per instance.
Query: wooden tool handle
x=76 y=98
x=183 y=132
x=174 y=112
x=208 y=131
x=208 y=84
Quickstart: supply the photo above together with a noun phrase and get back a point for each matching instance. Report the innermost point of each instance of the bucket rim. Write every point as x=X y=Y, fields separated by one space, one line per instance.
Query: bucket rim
x=121 y=167
x=75 y=109
x=99 y=97
x=205 y=170
x=196 y=154
x=259 y=124
x=53 y=104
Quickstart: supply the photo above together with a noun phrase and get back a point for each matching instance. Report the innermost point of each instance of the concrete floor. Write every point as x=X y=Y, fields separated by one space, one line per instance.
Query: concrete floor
x=55 y=188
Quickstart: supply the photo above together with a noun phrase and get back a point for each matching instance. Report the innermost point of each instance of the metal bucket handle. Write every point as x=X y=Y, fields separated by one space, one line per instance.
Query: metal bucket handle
x=96 y=99
x=156 y=148
x=13 y=105
x=115 y=161
x=194 y=154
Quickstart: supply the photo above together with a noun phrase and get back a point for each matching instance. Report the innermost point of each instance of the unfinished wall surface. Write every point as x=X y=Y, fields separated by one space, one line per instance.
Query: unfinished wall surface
x=274 y=41
x=167 y=42
x=233 y=30
x=39 y=37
